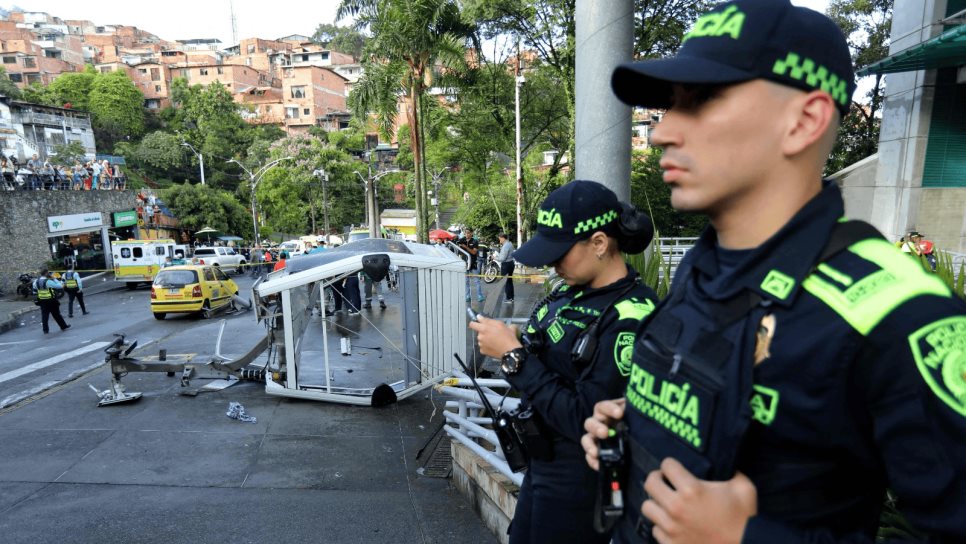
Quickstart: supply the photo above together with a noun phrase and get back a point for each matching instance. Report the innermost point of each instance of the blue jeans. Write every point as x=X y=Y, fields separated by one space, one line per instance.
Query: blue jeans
x=479 y=284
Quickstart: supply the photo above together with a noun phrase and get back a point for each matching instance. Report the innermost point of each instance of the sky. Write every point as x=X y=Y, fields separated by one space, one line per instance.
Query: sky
x=186 y=19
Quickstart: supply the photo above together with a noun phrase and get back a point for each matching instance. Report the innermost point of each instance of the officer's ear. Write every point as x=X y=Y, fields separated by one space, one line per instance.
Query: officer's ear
x=601 y=243
x=811 y=116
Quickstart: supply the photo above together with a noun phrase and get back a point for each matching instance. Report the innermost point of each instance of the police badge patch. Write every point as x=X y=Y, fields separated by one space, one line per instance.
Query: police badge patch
x=624 y=351
x=940 y=352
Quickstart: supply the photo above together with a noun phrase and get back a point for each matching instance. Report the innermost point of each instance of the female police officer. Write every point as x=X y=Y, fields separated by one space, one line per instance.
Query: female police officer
x=579 y=342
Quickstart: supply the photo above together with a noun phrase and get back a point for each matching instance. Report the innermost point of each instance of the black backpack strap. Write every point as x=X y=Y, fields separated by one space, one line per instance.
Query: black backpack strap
x=844 y=235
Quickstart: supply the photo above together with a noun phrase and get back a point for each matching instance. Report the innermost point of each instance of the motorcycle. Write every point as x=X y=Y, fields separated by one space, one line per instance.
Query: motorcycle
x=25 y=288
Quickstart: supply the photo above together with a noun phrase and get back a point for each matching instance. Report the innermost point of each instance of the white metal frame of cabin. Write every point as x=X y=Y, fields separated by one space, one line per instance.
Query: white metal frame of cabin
x=432 y=284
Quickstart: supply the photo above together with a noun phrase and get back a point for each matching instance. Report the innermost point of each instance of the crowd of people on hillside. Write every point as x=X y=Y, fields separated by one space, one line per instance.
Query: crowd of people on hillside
x=41 y=175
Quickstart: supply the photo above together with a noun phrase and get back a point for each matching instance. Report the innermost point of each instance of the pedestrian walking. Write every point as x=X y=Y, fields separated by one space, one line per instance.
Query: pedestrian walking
x=471 y=246
x=74 y=287
x=45 y=297
x=507 y=265
x=368 y=286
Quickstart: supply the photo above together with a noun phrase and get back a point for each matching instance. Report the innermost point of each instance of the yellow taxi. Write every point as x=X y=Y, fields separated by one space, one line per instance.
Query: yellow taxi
x=190 y=289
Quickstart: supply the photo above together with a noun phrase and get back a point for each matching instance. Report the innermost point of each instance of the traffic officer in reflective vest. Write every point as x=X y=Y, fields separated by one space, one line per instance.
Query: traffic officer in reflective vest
x=801 y=364
x=578 y=344
x=74 y=287
x=47 y=300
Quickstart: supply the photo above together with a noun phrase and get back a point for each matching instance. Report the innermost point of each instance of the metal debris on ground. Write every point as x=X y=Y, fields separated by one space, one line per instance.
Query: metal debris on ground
x=237 y=411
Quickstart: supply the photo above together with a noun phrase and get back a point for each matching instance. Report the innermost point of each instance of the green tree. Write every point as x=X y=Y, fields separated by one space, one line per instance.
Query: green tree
x=209 y=119
x=343 y=39
x=74 y=88
x=117 y=108
x=66 y=154
x=198 y=206
x=650 y=194
x=36 y=93
x=162 y=151
x=7 y=87
x=867 y=24
x=409 y=39
x=290 y=196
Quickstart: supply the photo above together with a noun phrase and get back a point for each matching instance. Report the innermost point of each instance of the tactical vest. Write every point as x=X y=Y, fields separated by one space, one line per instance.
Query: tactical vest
x=43 y=292
x=70 y=281
x=691 y=384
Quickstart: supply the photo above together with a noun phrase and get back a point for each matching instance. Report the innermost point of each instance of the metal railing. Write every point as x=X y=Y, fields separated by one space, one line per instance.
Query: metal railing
x=468 y=423
x=33 y=118
x=673 y=251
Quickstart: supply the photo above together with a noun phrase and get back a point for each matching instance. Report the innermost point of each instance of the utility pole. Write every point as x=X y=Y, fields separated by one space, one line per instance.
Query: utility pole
x=201 y=159
x=520 y=80
x=324 y=178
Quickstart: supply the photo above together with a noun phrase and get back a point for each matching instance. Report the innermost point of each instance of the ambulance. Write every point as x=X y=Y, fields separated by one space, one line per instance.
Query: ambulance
x=138 y=261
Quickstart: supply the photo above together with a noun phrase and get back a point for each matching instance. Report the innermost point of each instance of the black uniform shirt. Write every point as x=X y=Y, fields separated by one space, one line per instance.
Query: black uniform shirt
x=564 y=395
x=472 y=243
x=859 y=382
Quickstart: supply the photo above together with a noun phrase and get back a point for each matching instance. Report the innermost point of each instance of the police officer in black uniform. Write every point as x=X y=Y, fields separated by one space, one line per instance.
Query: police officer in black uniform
x=46 y=298
x=579 y=341
x=74 y=287
x=801 y=364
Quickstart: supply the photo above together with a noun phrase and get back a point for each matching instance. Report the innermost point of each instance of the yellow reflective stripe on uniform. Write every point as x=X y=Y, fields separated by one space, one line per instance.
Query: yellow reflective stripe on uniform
x=631 y=309
x=869 y=300
x=835 y=274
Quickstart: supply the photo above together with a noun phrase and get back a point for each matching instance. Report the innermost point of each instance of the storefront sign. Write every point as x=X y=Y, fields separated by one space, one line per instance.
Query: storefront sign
x=125 y=219
x=59 y=223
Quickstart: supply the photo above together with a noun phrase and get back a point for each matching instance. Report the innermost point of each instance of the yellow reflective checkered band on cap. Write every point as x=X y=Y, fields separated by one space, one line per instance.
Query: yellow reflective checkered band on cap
x=595 y=223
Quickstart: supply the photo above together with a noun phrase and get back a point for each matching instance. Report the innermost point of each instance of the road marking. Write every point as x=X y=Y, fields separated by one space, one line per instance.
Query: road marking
x=18 y=342
x=51 y=361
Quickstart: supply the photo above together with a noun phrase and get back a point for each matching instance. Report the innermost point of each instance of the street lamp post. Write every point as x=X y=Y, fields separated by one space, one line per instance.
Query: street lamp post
x=372 y=207
x=201 y=159
x=254 y=178
x=324 y=177
x=436 y=178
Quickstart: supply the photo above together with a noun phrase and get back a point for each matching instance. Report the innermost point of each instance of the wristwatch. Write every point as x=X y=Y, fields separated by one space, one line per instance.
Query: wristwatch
x=512 y=361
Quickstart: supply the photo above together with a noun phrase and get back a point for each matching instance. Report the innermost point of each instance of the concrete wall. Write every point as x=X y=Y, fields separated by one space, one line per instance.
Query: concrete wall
x=857 y=182
x=492 y=495
x=23 y=222
x=896 y=200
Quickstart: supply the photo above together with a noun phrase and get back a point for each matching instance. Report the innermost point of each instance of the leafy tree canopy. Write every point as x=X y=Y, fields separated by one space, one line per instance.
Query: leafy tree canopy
x=198 y=206
x=7 y=87
x=117 y=107
x=343 y=39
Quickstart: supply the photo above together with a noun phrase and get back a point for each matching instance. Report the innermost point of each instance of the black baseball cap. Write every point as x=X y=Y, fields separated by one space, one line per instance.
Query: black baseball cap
x=568 y=215
x=743 y=40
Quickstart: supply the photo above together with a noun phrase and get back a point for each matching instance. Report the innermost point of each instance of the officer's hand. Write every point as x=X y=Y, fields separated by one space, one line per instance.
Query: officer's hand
x=686 y=509
x=606 y=414
x=494 y=336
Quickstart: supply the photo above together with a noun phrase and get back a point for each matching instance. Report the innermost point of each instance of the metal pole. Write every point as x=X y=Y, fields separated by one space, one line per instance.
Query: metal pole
x=436 y=197
x=201 y=159
x=605 y=38
x=325 y=204
x=519 y=83
x=254 y=219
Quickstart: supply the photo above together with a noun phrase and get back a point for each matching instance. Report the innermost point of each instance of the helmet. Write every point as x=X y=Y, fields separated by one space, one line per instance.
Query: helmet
x=926 y=246
x=56 y=275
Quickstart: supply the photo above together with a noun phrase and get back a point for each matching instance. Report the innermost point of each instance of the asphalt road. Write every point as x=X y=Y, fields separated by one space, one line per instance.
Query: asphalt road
x=170 y=468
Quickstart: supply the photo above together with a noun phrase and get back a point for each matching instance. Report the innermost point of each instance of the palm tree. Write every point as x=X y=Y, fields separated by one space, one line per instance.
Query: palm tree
x=410 y=38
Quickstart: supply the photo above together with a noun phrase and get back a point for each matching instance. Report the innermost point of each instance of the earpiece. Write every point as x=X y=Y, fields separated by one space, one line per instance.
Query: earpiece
x=636 y=229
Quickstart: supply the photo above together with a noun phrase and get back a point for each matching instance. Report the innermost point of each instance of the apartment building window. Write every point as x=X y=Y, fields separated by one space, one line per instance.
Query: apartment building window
x=157 y=88
x=305 y=111
x=291 y=113
x=184 y=73
x=305 y=58
x=203 y=71
x=142 y=70
x=298 y=92
x=155 y=74
x=325 y=55
x=10 y=60
x=106 y=69
x=251 y=48
x=15 y=77
x=220 y=70
x=29 y=62
x=248 y=61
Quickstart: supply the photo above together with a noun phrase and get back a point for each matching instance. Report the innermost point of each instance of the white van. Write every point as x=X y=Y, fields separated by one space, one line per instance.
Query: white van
x=138 y=261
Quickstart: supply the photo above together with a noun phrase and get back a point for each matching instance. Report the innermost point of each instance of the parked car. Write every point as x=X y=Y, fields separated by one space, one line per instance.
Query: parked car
x=192 y=288
x=225 y=257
